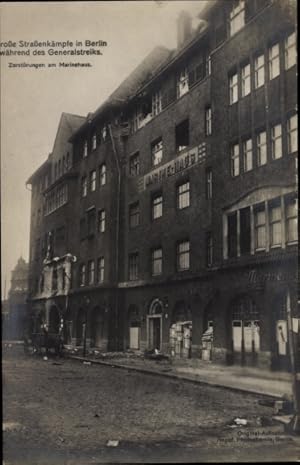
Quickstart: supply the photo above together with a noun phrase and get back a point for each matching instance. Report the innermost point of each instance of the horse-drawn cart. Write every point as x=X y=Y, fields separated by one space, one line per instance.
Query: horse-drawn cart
x=43 y=342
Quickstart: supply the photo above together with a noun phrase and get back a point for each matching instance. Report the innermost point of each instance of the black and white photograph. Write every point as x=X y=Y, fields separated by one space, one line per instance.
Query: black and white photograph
x=149 y=223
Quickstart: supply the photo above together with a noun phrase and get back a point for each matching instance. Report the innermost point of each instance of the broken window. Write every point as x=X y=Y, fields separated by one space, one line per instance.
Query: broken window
x=182 y=137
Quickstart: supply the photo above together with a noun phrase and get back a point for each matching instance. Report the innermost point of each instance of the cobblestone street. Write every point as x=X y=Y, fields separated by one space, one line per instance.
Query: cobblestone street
x=64 y=412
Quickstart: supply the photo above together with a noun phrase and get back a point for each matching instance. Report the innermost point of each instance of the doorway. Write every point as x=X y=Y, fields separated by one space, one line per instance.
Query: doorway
x=154 y=332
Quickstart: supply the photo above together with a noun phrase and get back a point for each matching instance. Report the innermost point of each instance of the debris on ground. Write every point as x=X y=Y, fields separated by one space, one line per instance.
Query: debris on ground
x=112 y=443
x=45 y=358
x=237 y=422
x=155 y=354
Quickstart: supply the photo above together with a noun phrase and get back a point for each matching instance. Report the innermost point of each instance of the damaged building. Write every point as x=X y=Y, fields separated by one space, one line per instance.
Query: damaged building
x=167 y=219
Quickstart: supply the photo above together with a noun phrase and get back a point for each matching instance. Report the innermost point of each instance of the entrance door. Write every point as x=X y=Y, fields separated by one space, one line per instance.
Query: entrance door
x=154 y=332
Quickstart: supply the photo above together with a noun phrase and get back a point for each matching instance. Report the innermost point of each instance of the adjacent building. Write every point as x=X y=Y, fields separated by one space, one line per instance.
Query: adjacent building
x=167 y=219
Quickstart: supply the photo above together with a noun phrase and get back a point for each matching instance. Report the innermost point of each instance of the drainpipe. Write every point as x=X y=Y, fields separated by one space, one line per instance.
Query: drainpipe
x=117 y=230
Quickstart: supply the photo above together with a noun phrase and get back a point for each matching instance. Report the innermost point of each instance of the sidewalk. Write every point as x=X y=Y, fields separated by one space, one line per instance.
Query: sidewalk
x=251 y=380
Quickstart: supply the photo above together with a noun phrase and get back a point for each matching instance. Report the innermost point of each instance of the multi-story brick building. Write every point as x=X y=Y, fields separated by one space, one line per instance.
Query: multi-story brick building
x=181 y=228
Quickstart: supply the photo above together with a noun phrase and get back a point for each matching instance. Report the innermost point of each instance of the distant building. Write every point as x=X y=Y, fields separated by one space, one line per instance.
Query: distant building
x=173 y=226
x=14 y=309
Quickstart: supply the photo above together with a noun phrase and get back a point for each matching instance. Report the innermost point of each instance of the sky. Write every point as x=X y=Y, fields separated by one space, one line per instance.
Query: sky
x=32 y=100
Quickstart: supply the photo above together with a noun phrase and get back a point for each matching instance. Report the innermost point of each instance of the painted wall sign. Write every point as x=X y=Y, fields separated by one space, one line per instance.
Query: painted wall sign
x=184 y=161
x=255 y=277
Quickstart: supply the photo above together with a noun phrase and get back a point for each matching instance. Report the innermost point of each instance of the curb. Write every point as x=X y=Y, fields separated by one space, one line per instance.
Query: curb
x=177 y=377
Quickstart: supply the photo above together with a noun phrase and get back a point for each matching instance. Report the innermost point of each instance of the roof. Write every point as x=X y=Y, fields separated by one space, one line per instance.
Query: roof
x=68 y=124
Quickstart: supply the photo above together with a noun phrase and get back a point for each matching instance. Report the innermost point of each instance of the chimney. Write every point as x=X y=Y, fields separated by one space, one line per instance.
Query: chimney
x=184 y=28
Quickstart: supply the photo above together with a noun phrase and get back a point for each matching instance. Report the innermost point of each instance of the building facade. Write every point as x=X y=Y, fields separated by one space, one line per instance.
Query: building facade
x=180 y=225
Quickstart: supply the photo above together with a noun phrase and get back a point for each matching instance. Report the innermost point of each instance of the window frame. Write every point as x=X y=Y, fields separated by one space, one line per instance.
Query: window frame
x=156 y=205
x=273 y=223
x=156 y=261
x=100 y=270
x=245 y=80
x=233 y=88
x=258 y=80
x=246 y=151
x=183 y=197
x=183 y=255
x=287 y=48
x=102 y=174
x=292 y=143
x=134 y=215
x=93 y=180
x=84 y=186
x=91 y=272
x=274 y=59
x=274 y=140
x=134 y=164
x=235 y=160
x=101 y=223
x=260 y=226
x=82 y=275
x=156 y=148
x=208 y=121
x=133 y=266
x=260 y=146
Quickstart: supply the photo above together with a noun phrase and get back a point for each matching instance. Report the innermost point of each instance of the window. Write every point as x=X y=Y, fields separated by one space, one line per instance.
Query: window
x=85 y=149
x=183 y=195
x=91 y=220
x=94 y=141
x=100 y=270
x=209 y=249
x=274 y=64
x=233 y=88
x=235 y=160
x=291 y=220
x=260 y=228
x=276 y=142
x=245 y=230
x=232 y=234
x=133 y=266
x=101 y=221
x=182 y=139
x=157 y=152
x=259 y=71
x=247 y=155
x=134 y=215
x=292 y=134
x=208 y=65
x=275 y=225
x=91 y=272
x=208 y=175
x=156 y=262
x=82 y=275
x=102 y=174
x=182 y=83
x=246 y=83
x=261 y=145
x=208 y=126
x=290 y=51
x=183 y=256
x=237 y=17
x=134 y=165
x=156 y=103
x=157 y=206
x=84 y=186
x=93 y=180
x=104 y=133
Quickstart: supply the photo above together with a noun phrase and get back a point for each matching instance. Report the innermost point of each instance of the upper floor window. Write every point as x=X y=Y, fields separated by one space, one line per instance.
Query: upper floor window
x=290 y=51
x=292 y=133
x=156 y=260
x=91 y=272
x=276 y=141
x=102 y=175
x=291 y=218
x=209 y=249
x=275 y=225
x=261 y=146
x=209 y=187
x=133 y=266
x=183 y=195
x=233 y=88
x=85 y=149
x=101 y=221
x=183 y=255
x=247 y=155
x=94 y=141
x=182 y=83
x=134 y=165
x=156 y=103
x=260 y=228
x=259 y=71
x=237 y=17
x=235 y=160
x=134 y=215
x=100 y=270
x=93 y=176
x=208 y=65
x=246 y=81
x=82 y=275
x=84 y=186
x=157 y=152
x=208 y=125
x=182 y=136
x=104 y=133
x=274 y=63
x=157 y=206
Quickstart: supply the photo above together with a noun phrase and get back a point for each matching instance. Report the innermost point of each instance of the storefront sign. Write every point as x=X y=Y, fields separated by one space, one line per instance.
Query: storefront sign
x=255 y=277
x=184 y=161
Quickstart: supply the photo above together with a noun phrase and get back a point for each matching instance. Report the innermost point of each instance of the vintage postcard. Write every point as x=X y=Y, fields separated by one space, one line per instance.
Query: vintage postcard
x=150 y=303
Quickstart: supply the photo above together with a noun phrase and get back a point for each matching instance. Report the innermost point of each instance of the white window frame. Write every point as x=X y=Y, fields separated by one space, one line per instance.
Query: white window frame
x=100 y=270
x=260 y=226
x=102 y=174
x=237 y=18
x=291 y=217
x=84 y=186
x=276 y=141
x=233 y=89
x=82 y=275
x=274 y=222
x=93 y=180
x=156 y=262
x=248 y=155
x=235 y=160
x=101 y=221
x=133 y=266
x=246 y=79
x=208 y=121
x=156 y=103
x=259 y=71
x=182 y=83
x=157 y=206
x=157 y=152
x=292 y=133
x=94 y=141
x=290 y=51
x=261 y=147
x=209 y=184
x=274 y=61
x=183 y=256
x=91 y=272
x=85 y=149
x=183 y=195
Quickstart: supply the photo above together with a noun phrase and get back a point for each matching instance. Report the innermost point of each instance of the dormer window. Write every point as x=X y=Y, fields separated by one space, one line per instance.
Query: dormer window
x=182 y=83
x=237 y=17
